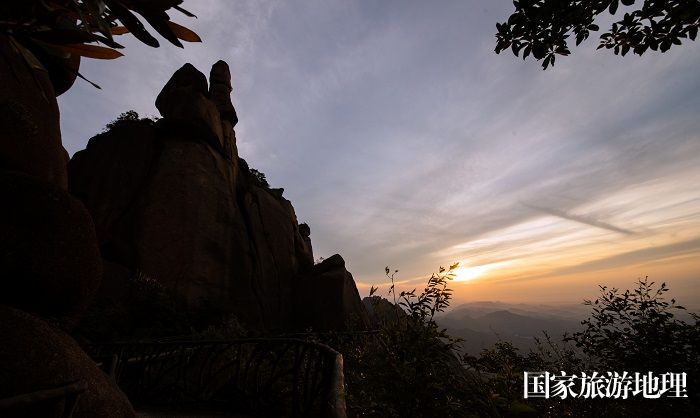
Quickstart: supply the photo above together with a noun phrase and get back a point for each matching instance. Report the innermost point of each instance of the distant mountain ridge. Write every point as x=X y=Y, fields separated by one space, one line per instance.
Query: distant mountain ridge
x=574 y=311
x=482 y=324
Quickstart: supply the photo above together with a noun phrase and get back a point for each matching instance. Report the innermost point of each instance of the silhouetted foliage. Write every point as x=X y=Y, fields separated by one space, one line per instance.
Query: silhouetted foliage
x=256 y=177
x=542 y=27
x=409 y=367
x=638 y=331
x=260 y=178
x=69 y=26
x=127 y=117
x=631 y=331
x=57 y=30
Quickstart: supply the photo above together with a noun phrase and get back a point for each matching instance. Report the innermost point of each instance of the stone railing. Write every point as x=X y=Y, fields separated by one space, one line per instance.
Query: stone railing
x=256 y=377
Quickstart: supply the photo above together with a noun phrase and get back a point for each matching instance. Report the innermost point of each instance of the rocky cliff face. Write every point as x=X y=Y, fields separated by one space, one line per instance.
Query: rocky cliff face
x=50 y=265
x=173 y=199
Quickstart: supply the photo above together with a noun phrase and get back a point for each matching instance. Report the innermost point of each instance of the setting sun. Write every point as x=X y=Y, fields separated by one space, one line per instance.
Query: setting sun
x=468 y=273
x=465 y=273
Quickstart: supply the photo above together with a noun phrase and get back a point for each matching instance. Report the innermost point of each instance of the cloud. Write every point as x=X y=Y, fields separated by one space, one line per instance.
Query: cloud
x=399 y=135
x=644 y=255
x=586 y=220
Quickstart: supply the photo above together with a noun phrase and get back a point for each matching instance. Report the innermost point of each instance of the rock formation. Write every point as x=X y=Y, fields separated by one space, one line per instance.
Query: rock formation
x=29 y=117
x=326 y=296
x=48 y=249
x=173 y=199
x=50 y=264
x=38 y=356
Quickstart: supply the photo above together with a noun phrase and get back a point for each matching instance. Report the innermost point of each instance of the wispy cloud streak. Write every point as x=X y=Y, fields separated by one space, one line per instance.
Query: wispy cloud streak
x=586 y=220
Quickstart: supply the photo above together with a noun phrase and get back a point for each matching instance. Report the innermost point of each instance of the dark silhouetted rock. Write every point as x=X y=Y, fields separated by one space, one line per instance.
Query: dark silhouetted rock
x=382 y=311
x=327 y=299
x=35 y=356
x=109 y=176
x=187 y=77
x=30 y=136
x=191 y=214
x=220 y=91
x=306 y=247
x=49 y=260
x=184 y=102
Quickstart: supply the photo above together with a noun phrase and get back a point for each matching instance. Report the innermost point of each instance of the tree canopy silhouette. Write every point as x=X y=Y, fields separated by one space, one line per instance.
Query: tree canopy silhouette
x=542 y=28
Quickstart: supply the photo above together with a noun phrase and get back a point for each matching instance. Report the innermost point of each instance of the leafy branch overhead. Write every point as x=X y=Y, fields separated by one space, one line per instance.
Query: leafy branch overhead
x=77 y=27
x=542 y=28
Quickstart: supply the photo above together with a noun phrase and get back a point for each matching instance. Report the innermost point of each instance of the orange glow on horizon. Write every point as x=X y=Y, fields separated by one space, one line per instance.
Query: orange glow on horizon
x=549 y=258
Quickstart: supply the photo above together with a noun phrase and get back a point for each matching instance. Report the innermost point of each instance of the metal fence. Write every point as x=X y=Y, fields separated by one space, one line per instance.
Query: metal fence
x=259 y=377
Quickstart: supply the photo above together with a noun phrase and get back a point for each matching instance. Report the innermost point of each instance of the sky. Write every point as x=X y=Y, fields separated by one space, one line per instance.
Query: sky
x=403 y=140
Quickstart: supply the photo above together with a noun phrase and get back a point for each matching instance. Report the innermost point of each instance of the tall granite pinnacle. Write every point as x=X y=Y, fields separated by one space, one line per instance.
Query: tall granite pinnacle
x=173 y=199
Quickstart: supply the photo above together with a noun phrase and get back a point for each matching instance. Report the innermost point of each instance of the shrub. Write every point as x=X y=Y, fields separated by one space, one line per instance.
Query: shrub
x=256 y=177
x=260 y=178
x=409 y=366
x=638 y=331
x=127 y=117
x=631 y=331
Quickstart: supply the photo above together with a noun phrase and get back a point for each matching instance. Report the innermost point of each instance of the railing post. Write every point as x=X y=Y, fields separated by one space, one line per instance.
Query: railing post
x=337 y=394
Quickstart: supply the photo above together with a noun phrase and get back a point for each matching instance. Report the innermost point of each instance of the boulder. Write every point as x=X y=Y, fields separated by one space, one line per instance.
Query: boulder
x=187 y=77
x=184 y=103
x=36 y=356
x=326 y=299
x=49 y=260
x=30 y=135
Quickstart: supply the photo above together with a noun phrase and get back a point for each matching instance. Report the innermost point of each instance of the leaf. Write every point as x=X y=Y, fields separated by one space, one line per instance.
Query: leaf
x=63 y=36
x=70 y=36
x=580 y=38
x=93 y=84
x=613 y=7
x=119 y=30
x=159 y=22
x=94 y=9
x=132 y=23
x=89 y=51
x=184 y=12
x=183 y=33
